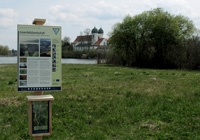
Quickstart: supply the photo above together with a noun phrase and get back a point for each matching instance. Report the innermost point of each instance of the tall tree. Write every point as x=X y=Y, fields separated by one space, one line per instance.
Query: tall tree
x=151 y=38
x=66 y=47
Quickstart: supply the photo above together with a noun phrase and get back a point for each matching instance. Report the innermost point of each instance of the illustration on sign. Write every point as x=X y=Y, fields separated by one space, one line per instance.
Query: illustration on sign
x=39 y=58
x=40 y=117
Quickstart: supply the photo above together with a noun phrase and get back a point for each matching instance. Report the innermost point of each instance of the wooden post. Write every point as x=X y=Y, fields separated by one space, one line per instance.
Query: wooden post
x=38 y=92
x=30 y=117
x=37 y=21
x=38 y=138
x=50 y=118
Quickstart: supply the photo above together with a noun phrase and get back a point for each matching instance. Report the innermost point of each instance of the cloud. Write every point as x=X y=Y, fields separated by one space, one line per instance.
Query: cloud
x=84 y=12
x=63 y=14
x=75 y=15
x=7 y=17
x=113 y=10
x=176 y=6
x=184 y=7
x=105 y=11
x=78 y=16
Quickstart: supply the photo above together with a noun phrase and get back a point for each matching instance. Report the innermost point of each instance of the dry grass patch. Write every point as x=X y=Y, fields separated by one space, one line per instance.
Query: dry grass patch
x=151 y=125
x=9 y=102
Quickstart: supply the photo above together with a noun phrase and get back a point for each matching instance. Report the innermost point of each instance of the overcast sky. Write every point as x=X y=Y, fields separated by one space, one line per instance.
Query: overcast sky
x=75 y=15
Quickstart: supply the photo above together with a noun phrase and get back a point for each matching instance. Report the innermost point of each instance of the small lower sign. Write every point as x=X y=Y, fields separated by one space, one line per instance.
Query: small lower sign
x=40 y=121
x=40 y=115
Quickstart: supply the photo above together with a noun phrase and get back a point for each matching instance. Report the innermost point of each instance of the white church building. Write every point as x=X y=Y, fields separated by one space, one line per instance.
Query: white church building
x=93 y=41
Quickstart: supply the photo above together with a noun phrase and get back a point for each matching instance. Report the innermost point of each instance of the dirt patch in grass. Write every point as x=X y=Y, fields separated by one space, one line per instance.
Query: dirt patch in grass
x=9 y=102
x=2 y=66
x=151 y=125
x=154 y=79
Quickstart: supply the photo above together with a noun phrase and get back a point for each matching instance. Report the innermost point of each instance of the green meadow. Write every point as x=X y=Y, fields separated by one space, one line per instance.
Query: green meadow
x=106 y=102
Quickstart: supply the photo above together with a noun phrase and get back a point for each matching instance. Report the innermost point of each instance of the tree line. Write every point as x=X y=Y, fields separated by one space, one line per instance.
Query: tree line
x=155 y=39
x=4 y=50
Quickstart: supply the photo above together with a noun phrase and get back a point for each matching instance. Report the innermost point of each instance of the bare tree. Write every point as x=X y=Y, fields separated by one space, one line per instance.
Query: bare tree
x=87 y=31
x=66 y=39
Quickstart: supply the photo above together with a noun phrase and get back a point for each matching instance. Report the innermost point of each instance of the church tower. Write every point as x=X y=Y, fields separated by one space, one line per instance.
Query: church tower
x=94 y=35
x=100 y=33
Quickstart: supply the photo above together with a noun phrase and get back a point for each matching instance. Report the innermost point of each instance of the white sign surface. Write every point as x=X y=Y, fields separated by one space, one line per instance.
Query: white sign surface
x=39 y=58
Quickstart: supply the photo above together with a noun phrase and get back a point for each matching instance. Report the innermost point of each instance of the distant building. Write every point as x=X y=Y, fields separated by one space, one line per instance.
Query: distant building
x=93 y=41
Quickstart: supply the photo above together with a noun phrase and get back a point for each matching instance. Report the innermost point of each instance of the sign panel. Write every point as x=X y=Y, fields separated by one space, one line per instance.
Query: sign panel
x=39 y=58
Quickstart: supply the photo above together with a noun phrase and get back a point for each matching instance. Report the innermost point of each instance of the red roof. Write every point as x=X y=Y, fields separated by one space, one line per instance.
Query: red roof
x=83 y=38
x=98 y=42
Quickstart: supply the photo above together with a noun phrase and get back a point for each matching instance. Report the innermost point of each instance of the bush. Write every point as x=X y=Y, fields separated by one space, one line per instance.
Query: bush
x=79 y=54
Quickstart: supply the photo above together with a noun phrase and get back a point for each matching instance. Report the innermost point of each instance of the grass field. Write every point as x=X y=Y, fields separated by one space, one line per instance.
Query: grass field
x=104 y=102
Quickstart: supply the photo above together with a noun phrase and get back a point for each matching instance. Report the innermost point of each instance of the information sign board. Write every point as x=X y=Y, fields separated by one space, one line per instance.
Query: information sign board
x=39 y=58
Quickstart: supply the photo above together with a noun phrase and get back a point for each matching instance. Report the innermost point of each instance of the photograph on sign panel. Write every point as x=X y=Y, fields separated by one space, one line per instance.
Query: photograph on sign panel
x=45 y=47
x=29 y=40
x=23 y=83
x=29 y=50
x=54 y=46
x=23 y=71
x=23 y=59
x=23 y=77
x=53 y=65
x=40 y=116
x=23 y=65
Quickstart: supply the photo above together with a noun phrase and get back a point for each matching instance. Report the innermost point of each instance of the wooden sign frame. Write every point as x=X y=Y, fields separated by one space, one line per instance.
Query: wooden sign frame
x=38 y=21
x=37 y=99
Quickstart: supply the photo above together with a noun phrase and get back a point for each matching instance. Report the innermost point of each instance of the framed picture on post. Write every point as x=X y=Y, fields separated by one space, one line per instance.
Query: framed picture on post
x=40 y=115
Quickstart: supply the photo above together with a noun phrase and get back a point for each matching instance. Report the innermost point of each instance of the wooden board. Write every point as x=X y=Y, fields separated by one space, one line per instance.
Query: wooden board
x=40 y=98
x=38 y=21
